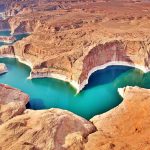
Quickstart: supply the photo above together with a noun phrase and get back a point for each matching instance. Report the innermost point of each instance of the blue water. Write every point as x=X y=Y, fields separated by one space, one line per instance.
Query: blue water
x=99 y=96
x=7 y=33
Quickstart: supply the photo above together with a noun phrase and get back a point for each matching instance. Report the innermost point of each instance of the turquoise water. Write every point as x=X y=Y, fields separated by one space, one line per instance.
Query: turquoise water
x=97 y=97
x=7 y=33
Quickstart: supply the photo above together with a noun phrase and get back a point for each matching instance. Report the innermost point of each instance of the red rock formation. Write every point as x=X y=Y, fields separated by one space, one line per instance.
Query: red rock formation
x=12 y=102
x=75 y=39
x=126 y=126
x=40 y=129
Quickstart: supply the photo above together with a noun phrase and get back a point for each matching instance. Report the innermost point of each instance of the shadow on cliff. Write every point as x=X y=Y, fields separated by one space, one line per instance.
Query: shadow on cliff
x=106 y=75
x=103 y=53
x=36 y=104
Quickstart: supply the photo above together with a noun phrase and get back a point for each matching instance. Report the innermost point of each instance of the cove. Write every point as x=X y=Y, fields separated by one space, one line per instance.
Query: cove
x=99 y=96
x=7 y=33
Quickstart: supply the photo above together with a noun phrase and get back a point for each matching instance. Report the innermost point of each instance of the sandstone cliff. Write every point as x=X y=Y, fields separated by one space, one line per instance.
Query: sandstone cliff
x=126 y=126
x=73 y=41
x=12 y=103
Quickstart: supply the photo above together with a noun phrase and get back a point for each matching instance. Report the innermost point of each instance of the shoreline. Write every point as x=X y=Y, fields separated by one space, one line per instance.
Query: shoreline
x=19 y=33
x=73 y=83
x=77 y=86
x=112 y=63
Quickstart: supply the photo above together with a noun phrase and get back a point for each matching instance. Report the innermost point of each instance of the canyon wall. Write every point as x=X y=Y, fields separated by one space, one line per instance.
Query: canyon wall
x=74 y=40
x=125 y=127
x=52 y=129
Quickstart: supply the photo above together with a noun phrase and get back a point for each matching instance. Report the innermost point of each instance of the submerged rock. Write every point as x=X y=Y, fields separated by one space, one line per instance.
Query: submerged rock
x=124 y=127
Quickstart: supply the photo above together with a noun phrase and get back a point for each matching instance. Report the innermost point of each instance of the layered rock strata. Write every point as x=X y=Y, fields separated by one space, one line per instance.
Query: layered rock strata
x=126 y=126
x=74 y=40
x=52 y=129
x=7 y=39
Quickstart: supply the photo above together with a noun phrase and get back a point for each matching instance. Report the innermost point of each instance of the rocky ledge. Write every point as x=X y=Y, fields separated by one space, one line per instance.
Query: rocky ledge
x=12 y=102
x=52 y=129
x=7 y=39
x=124 y=127
x=3 y=68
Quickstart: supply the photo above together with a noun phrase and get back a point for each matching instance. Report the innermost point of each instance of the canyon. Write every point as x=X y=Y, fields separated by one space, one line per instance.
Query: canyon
x=125 y=127
x=69 y=40
x=7 y=39
x=77 y=39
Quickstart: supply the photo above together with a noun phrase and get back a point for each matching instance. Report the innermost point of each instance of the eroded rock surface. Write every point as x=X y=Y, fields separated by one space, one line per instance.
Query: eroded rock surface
x=71 y=38
x=12 y=102
x=52 y=129
x=126 y=126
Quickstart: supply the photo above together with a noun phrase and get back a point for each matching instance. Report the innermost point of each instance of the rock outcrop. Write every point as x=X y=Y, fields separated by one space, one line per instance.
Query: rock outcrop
x=52 y=129
x=126 y=126
x=7 y=51
x=3 y=68
x=74 y=40
x=7 y=39
x=12 y=103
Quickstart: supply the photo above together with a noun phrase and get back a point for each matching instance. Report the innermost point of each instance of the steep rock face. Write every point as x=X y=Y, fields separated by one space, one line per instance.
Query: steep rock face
x=77 y=64
x=52 y=129
x=126 y=126
x=7 y=51
x=7 y=39
x=12 y=102
x=134 y=53
x=73 y=41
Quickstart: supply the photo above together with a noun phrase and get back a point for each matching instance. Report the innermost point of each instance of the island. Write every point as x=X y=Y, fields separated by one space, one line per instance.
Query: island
x=3 y=68
x=7 y=39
